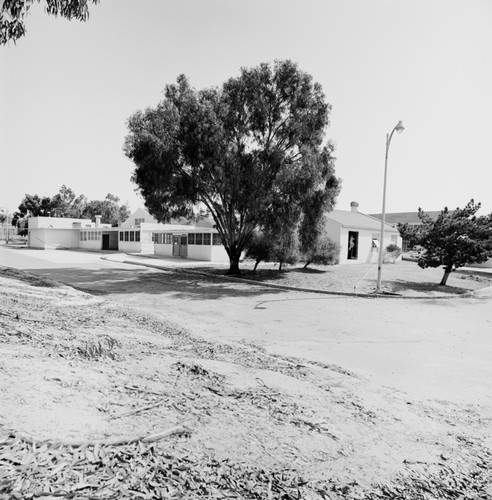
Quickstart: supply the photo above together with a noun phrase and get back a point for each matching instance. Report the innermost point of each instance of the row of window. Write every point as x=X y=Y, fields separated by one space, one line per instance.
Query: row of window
x=90 y=235
x=164 y=238
x=193 y=239
x=129 y=235
x=204 y=239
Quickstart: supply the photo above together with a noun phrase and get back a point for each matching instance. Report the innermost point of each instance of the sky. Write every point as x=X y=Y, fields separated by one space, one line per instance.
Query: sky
x=68 y=88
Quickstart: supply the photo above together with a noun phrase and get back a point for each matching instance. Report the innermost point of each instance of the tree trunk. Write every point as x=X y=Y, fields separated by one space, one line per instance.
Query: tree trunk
x=307 y=264
x=256 y=265
x=447 y=272
x=280 y=266
x=234 y=257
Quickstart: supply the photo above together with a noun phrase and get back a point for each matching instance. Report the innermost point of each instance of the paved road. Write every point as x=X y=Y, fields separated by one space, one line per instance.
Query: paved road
x=427 y=349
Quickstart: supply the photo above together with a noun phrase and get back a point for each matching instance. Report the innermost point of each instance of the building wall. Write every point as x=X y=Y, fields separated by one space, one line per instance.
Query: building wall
x=141 y=216
x=333 y=229
x=90 y=245
x=219 y=254
x=367 y=252
x=53 y=238
x=56 y=222
x=163 y=249
x=200 y=252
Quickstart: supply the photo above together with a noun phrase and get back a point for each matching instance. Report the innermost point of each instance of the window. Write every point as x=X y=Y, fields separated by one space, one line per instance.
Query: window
x=168 y=239
x=191 y=238
x=132 y=235
x=198 y=239
x=81 y=234
x=121 y=235
x=206 y=239
x=137 y=235
x=353 y=245
x=127 y=236
x=217 y=240
x=375 y=240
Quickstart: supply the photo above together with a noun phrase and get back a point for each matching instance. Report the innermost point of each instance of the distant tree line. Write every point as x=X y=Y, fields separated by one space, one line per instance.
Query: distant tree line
x=66 y=203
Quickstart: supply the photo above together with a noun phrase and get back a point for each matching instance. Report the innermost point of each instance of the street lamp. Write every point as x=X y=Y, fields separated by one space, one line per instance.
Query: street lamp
x=399 y=128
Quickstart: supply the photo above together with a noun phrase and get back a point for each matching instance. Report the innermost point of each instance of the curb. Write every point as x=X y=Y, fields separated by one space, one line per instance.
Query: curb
x=465 y=295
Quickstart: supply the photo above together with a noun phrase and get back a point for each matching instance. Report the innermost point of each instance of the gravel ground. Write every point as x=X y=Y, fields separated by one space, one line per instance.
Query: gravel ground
x=79 y=372
x=404 y=278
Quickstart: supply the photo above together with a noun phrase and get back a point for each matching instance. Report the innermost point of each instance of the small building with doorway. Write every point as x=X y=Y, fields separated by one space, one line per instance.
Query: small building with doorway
x=358 y=235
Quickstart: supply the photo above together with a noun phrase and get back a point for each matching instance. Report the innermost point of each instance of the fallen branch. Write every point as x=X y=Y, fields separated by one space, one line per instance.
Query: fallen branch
x=138 y=410
x=145 y=391
x=145 y=438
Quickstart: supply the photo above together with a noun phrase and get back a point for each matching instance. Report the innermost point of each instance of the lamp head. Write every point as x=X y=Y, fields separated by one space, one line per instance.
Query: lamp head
x=399 y=127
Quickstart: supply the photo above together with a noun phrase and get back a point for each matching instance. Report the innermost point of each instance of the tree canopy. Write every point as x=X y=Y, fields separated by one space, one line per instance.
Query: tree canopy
x=110 y=210
x=454 y=239
x=251 y=151
x=13 y=13
x=65 y=203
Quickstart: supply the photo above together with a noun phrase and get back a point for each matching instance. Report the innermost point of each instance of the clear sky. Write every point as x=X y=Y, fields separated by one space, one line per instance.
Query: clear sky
x=67 y=89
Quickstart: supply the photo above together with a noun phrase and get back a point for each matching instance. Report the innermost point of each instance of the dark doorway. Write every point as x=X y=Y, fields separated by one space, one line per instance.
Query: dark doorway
x=353 y=245
x=105 y=241
x=176 y=245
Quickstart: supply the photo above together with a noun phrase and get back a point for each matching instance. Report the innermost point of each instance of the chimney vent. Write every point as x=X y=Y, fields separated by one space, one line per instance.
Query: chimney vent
x=354 y=206
x=98 y=220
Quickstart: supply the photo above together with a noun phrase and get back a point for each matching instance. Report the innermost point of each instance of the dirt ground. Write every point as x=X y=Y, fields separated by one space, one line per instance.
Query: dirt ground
x=79 y=371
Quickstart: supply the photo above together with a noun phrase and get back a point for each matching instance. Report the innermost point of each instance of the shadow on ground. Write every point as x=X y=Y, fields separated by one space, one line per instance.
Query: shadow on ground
x=149 y=282
x=398 y=286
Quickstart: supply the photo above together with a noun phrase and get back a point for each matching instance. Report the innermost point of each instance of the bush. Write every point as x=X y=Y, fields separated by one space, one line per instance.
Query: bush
x=392 y=252
x=325 y=252
x=394 y=249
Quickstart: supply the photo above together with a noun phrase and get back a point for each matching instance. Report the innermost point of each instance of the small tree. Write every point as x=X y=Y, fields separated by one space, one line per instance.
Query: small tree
x=325 y=252
x=455 y=239
x=285 y=245
x=259 y=248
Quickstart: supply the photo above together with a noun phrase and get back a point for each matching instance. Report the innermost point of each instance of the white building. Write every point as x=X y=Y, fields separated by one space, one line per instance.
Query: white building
x=358 y=235
x=140 y=233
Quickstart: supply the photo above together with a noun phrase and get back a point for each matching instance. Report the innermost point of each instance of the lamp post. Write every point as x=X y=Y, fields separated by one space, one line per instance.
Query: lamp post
x=399 y=128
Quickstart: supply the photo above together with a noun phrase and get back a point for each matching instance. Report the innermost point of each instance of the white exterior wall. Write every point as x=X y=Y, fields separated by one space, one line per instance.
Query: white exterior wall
x=56 y=222
x=163 y=249
x=339 y=234
x=200 y=252
x=365 y=251
x=219 y=254
x=53 y=238
x=130 y=246
x=140 y=213
x=333 y=229
x=91 y=244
